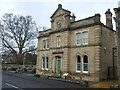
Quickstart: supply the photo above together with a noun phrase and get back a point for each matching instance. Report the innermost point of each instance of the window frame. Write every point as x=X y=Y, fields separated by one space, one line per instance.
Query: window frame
x=84 y=64
x=79 y=39
x=58 y=41
x=78 y=63
x=84 y=38
x=43 y=63
x=47 y=43
x=44 y=44
x=47 y=63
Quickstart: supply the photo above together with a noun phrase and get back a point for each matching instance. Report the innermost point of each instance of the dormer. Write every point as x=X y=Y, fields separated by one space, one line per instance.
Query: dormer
x=60 y=18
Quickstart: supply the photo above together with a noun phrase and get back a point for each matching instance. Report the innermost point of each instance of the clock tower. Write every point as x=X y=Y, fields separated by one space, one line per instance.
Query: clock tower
x=60 y=19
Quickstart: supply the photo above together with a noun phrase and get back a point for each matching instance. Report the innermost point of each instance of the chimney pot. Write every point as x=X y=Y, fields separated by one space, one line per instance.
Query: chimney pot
x=109 y=19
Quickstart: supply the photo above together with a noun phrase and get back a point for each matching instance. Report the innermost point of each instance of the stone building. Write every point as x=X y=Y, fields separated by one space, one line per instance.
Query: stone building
x=117 y=20
x=83 y=48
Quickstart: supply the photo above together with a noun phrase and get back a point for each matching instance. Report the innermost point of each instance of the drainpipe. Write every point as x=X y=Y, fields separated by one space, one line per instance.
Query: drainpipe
x=113 y=49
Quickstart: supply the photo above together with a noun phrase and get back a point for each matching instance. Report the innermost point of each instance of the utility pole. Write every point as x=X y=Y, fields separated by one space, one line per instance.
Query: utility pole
x=117 y=20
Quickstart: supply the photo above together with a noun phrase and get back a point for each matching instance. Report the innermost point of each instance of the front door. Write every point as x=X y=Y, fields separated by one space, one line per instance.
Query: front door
x=58 y=66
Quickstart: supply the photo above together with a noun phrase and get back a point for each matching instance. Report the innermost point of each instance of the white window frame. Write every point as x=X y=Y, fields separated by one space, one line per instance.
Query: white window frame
x=85 y=38
x=47 y=63
x=43 y=63
x=80 y=38
x=44 y=44
x=77 y=64
x=85 y=63
x=58 y=41
x=47 y=43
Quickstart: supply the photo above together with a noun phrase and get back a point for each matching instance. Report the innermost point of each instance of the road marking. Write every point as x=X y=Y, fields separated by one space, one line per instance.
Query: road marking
x=13 y=86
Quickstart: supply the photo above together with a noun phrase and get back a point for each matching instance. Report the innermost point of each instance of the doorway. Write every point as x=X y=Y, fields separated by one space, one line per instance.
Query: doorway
x=58 y=65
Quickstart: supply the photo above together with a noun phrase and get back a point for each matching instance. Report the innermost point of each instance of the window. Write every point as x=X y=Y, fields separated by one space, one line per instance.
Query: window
x=43 y=63
x=78 y=67
x=44 y=44
x=78 y=38
x=82 y=64
x=59 y=23
x=48 y=44
x=85 y=63
x=85 y=38
x=82 y=38
x=47 y=59
x=58 y=41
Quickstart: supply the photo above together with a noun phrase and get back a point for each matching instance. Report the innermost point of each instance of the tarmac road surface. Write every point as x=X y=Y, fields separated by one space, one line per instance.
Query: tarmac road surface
x=21 y=81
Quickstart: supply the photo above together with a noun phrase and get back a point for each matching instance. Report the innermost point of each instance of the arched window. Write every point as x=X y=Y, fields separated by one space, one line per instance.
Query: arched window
x=78 y=64
x=85 y=63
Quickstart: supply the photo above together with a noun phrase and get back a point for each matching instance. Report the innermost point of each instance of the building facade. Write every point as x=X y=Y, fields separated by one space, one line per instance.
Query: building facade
x=82 y=49
x=117 y=20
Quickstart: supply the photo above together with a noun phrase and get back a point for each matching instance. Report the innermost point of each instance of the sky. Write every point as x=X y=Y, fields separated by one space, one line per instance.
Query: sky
x=42 y=10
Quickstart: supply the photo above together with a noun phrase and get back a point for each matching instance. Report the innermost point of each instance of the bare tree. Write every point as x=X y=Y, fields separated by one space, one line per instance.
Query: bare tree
x=18 y=34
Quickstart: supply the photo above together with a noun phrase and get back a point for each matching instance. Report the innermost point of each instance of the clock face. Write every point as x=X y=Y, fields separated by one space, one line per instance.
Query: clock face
x=59 y=23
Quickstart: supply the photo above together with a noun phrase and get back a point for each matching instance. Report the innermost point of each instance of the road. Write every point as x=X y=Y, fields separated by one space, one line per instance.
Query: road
x=21 y=81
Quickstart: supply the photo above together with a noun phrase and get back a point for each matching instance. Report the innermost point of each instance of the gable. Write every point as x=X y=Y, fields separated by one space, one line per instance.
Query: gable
x=60 y=11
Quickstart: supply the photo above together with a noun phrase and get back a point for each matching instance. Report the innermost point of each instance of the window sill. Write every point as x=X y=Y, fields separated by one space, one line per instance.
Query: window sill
x=85 y=44
x=43 y=68
x=81 y=44
x=78 y=44
x=58 y=46
x=86 y=72
x=78 y=71
x=45 y=49
x=46 y=69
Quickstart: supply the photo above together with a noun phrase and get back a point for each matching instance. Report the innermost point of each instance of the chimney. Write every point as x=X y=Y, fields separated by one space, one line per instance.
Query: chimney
x=109 y=19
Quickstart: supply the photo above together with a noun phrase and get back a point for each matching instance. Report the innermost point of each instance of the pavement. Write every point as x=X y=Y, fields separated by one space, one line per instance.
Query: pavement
x=104 y=84
x=101 y=84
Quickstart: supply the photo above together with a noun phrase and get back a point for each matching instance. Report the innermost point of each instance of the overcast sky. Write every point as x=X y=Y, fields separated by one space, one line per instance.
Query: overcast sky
x=41 y=10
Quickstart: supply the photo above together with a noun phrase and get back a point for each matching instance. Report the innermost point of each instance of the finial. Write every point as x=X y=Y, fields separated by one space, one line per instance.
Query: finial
x=108 y=12
x=73 y=15
x=59 y=6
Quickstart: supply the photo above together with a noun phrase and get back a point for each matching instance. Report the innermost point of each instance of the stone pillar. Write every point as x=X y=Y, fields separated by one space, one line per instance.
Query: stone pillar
x=117 y=19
